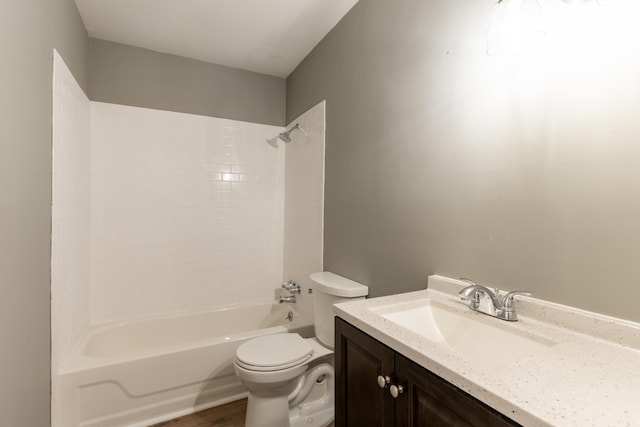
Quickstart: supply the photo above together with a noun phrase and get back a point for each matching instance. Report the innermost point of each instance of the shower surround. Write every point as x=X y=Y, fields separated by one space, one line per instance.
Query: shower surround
x=158 y=214
x=186 y=212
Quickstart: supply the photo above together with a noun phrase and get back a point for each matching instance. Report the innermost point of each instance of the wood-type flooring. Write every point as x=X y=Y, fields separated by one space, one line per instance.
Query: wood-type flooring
x=229 y=415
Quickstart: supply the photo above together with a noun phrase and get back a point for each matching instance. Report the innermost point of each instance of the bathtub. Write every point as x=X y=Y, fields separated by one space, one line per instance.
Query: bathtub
x=143 y=372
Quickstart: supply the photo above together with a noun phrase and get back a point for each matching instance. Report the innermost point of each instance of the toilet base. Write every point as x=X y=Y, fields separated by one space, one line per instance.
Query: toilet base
x=319 y=419
x=275 y=412
x=278 y=407
x=317 y=409
x=267 y=412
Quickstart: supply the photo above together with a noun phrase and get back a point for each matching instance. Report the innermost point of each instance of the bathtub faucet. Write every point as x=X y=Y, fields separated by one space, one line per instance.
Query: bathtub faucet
x=291 y=287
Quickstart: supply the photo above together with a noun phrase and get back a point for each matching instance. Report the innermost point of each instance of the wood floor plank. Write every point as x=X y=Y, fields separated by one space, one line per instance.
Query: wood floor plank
x=229 y=415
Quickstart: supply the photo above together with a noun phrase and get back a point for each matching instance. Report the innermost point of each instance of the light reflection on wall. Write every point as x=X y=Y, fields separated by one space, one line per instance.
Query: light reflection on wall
x=556 y=28
x=551 y=129
x=588 y=50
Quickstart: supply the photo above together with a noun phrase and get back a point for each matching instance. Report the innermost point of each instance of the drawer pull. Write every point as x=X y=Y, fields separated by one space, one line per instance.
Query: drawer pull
x=396 y=390
x=383 y=381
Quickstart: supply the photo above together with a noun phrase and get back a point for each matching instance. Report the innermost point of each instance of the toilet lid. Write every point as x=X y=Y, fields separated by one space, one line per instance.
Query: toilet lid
x=274 y=351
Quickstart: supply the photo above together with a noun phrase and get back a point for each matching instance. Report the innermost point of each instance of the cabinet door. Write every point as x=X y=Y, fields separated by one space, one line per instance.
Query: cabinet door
x=359 y=361
x=428 y=400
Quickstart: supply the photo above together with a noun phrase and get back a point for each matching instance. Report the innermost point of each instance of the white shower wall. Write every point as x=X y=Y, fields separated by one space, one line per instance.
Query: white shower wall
x=304 y=202
x=70 y=212
x=69 y=219
x=186 y=212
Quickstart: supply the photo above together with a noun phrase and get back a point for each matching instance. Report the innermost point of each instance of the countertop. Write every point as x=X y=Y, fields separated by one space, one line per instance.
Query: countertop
x=589 y=377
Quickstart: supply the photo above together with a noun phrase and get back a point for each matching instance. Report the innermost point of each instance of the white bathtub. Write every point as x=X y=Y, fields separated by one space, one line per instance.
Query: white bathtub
x=144 y=372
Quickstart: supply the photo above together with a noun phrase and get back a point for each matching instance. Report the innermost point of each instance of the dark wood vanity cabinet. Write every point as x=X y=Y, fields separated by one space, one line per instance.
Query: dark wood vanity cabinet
x=423 y=398
x=359 y=359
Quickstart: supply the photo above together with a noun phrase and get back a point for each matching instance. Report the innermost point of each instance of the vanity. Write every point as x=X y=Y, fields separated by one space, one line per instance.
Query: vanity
x=415 y=395
x=424 y=358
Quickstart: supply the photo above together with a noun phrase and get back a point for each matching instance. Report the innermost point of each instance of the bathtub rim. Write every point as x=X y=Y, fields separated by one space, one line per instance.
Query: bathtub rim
x=77 y=360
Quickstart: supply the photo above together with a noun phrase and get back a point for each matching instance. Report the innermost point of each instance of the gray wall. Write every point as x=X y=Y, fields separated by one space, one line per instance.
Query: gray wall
x=139 y=77
x=519 y=172
x=29 y=30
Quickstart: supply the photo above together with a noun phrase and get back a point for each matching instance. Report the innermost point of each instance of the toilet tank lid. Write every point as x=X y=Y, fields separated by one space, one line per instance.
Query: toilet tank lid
x=332 y=284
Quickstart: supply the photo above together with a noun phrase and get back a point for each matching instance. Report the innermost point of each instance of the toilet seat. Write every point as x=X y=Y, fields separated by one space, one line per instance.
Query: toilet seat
x=273 y=352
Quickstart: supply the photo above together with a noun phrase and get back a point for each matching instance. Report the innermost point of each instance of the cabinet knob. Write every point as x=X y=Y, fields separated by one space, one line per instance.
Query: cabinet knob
x=383 y=381
x=396 y=390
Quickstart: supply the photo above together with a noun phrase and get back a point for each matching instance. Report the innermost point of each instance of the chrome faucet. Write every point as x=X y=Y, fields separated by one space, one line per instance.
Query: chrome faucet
x=508 y=311
x=292 y=288
x=483 y=300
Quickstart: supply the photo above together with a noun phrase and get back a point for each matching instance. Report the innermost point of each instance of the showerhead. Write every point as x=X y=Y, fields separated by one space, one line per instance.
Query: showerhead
x=286 y=136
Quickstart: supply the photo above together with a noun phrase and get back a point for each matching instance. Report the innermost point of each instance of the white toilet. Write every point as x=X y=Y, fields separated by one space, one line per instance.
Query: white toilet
x=284 y=391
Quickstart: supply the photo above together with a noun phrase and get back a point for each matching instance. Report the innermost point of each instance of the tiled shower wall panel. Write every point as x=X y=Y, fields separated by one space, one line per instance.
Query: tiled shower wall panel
x=70 y=213
x=186 y=212
x=304 y=202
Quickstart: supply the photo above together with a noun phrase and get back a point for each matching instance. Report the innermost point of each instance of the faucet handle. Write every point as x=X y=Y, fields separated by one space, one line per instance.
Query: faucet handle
x=472 y=283
x=469 y=281
x=507 y=301
x=291 y=287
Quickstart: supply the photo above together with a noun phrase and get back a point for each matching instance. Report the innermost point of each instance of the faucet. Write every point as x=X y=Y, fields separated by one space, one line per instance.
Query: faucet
x=292 y=288
x=508 y=309
x=483 y=300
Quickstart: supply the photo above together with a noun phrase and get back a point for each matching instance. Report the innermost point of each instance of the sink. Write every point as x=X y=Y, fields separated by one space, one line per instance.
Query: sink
x=485 y=343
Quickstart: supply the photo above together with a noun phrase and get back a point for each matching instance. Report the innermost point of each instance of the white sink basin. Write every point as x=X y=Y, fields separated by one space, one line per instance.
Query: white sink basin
x=474 y=340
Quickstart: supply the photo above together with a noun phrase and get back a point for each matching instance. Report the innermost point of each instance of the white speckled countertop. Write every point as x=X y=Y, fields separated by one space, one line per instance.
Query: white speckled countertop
x=591 y=377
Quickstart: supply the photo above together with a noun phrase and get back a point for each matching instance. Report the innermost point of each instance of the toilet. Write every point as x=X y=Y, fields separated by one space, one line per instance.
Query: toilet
x=291 y=379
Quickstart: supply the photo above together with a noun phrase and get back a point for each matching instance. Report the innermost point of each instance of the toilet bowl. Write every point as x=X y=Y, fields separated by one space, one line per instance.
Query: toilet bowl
x=291 y=379
x=275 y=370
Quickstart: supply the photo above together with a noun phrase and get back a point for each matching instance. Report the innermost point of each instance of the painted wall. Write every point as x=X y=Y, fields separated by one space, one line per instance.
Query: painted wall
x=128 y=75
x=517 y=171
x=186 y=212
x=29 y=30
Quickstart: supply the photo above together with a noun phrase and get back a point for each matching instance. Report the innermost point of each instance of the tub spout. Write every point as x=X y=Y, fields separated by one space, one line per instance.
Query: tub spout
x=290 y=299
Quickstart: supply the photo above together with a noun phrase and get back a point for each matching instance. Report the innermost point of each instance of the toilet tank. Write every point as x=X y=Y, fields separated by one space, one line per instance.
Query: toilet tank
x=330 y=289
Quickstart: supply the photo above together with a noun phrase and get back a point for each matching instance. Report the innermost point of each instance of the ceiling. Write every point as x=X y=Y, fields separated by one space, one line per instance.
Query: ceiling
x=266 y=36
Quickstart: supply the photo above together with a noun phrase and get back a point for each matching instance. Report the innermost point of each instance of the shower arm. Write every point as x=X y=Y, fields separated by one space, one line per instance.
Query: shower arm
x=285 y=136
